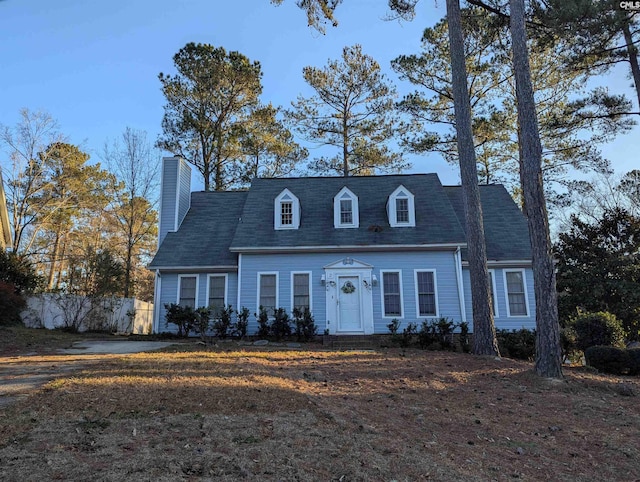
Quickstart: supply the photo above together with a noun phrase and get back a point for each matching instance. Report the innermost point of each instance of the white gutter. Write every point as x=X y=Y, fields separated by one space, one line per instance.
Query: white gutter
x=339 y=248
x=505 y=263
x=207 y=269
x=239 y=280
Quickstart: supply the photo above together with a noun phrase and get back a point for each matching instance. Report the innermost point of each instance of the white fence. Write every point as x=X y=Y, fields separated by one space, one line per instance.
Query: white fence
x=118 y=315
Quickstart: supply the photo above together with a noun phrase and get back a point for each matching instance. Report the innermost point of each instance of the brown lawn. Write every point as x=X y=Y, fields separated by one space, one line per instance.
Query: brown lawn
x=250 y=413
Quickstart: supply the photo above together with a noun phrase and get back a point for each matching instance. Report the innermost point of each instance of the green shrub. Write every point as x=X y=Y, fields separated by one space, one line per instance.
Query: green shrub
x=184 y=317
x=222 y=324
x=306 y=328
x=519 y=344
x=407 y=335
x=427 y=335
x=242 y=323
x=600 y=328
x=280 y=326
x=263 y=322
x=17 y=270
x=608 y=359
x=394 y=326
x=202 y=320
x=11 y=305
x=634 y=361
x=444 y=329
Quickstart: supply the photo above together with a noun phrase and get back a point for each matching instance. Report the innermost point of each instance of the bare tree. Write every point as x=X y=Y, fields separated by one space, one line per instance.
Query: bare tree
x=134 y=214
x=24 y=176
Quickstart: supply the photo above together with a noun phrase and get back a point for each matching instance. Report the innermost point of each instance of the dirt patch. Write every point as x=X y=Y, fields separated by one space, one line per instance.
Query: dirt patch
x=264 y=414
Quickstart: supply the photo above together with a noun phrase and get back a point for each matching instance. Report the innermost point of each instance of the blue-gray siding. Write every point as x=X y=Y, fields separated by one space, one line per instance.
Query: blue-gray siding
x=442 y=262
x=284 y=264
x=169 y=293
x=502 y=320
x=184 y=195
x=176 y=195
x=168 y=199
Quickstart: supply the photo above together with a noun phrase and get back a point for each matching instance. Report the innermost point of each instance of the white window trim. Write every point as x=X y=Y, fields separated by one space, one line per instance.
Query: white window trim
x=355 y=214
x=226 y=287
x=524 y=287
x=384 y=315
x=197 y=277
x=277 y=211
x=391 y=208
x=261 y=273
x=496 y=312
x=435 y=292
x=310 y=289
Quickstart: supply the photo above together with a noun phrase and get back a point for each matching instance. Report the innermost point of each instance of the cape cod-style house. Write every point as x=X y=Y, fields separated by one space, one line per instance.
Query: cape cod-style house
x=357 y=251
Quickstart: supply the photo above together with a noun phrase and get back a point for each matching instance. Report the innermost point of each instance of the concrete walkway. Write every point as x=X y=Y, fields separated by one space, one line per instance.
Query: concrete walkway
x=114 y=347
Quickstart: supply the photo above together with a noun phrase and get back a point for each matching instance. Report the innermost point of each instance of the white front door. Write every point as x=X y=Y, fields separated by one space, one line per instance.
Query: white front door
x=349 y=313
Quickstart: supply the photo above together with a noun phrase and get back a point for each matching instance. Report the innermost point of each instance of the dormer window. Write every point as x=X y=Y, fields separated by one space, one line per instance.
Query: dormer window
x=401 y=208
x=286 y=211
x=345 y=209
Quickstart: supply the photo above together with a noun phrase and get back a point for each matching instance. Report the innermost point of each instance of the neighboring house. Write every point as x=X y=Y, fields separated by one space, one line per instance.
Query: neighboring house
x=5 y=229
x=357 y=251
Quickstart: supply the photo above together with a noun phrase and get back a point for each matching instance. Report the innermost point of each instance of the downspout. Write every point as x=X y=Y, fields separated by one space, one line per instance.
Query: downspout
x=457 y=256
x=238 y=306
x=156 y=303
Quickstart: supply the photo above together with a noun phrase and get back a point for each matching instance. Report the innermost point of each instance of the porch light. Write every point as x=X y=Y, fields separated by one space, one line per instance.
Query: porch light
x=323 y=280
x=374 y=280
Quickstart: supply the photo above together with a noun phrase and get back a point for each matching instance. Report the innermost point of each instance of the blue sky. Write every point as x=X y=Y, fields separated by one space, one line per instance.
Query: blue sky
x=94 y=65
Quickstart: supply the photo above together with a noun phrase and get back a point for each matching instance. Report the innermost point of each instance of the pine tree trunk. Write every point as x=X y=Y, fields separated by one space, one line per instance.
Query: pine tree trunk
x=484 y=333
x=548 y=351
x=345 y=147
x=54 y=260
x=632 y=52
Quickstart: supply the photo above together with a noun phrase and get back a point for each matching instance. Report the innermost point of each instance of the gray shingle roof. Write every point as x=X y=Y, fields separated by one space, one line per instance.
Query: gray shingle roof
x=505 y=227
x=205 y=234
x=219 y=222
x=436 y=221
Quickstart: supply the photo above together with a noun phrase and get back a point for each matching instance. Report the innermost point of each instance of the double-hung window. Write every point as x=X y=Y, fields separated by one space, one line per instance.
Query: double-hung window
x=187 y=288
x=301 y=292
x=286 y=213
x=426 y=293
x=402 y=210
x=268 y=291
x=217 y=291
x=345 y=209
x=516 y=293
x=392 y=294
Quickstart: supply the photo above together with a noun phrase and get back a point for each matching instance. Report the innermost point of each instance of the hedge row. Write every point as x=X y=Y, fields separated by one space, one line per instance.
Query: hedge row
x=614 y=360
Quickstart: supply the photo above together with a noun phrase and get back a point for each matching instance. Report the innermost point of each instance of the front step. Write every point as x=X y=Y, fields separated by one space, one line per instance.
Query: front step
x=351 y=342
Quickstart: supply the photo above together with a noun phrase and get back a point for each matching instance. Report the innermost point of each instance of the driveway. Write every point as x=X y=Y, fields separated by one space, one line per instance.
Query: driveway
x=20 y=376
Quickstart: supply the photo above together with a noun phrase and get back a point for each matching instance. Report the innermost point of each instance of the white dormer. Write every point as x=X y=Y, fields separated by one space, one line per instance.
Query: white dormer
x=286 y=211
x=401 y=208
x=345 y=209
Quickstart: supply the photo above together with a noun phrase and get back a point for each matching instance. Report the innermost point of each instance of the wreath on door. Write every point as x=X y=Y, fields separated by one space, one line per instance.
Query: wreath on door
x=348 y=287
